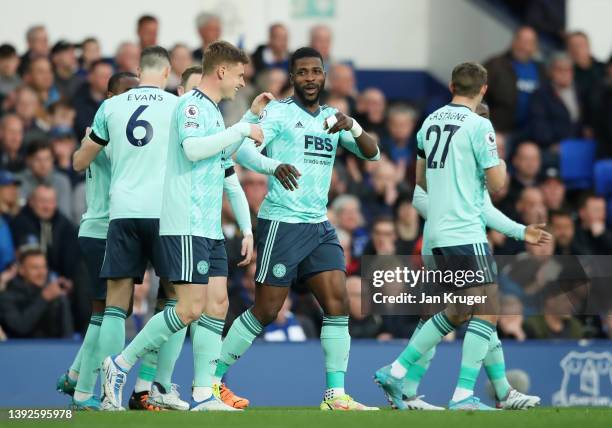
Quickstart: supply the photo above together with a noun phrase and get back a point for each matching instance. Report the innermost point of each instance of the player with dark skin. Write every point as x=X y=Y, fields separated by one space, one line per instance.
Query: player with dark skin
x=329 y=287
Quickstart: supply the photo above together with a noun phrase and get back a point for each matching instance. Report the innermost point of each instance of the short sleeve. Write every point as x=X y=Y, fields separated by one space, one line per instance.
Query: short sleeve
x=420 y=145
x=99 y=128
x=484 y=145
x=191 y=120
x=271 y=122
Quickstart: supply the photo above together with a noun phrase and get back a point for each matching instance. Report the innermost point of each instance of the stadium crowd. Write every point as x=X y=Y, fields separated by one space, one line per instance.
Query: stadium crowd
x=50 y=93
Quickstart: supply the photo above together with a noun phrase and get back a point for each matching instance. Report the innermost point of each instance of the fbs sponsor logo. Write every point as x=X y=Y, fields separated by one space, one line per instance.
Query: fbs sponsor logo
x=586 y=381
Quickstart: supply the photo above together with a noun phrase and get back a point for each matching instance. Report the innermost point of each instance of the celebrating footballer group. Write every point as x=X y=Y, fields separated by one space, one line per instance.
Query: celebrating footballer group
x=157 y=166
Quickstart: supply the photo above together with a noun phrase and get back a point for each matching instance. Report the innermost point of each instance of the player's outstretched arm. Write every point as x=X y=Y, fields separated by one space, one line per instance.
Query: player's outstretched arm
x=240 y=207
x=198 y=148
x=361 y=144
x=85 y=155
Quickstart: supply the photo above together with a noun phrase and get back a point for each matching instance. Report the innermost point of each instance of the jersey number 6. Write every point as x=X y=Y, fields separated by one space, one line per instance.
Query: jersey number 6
x=134 y=123
x=451 y=129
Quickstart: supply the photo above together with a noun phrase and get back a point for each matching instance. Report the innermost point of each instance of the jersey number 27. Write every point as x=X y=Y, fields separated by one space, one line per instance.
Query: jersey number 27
x=451 y=129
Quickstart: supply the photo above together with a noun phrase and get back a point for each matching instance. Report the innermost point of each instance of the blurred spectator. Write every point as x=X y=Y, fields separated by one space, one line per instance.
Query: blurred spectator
x=526 y=162
x=352 y=264
x=9 y=195
x=146 y=29
x=38 y=46
x=275 y=53
x=62 y=115
x=286 y=327
x=40 y=170
x=90 y=95
x=272 y=80
x=39 y=76
x=555 y=112
x=90 y=53
x=141 y=310
x=361 y=326
x=371 y=108
x=342 y=84
x=30 y=111
x=64 y=143
x=407 y=227
x=513 y=76
x=242 y=292
x=383 y=238
x=399 y=145
x=127 y=58
x=65 y=65
x=40 y=223
x=9 y=61
x=34 y=304
x=563 y=231
x=553 y=190
x=556 y=322
x=7 y=249
x=339 y=103
x=321 y=39
x=591 y=234
x=602 y=114
x=11 y=143
x=209 y=29
x=180 y=59
x=510 y=324
x=347 y=211
x=530 y=206
x=234 y=110
x=255 y=188
x=588 y=72
x=379 y=198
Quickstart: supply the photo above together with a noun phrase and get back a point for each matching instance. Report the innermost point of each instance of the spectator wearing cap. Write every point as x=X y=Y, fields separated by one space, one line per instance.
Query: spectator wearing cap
x=147 y=28
x=65 y=66
x=9 y=61
x=40 y=223
x=38 y=46
x=35 y=303
x=209 y=29
x=40 y=170
x=9 y=195
x=11 y=143
x=90 y=52
x=513 y=77
x=556 y=109
x=39 y=76
x=591 y=234
x=90 y=95
x=275 y=53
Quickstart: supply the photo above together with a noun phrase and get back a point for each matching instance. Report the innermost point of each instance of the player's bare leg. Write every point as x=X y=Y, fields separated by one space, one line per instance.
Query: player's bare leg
x=329 y=288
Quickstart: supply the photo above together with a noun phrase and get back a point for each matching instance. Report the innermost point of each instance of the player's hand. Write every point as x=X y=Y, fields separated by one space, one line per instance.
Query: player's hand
x=52 y=291
x=247 y=250
x=260 y=102
x=256 y=134
x=536 y=235
x=287 y=175
x=343 y=123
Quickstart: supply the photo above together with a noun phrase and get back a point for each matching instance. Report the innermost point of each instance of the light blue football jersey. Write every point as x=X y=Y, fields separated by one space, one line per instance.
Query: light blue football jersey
x=458 y=146
x=94 y=223
x=135 y=127
x=294 y=135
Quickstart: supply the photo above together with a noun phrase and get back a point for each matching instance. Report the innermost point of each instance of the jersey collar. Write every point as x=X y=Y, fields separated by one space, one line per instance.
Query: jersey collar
x=203 y=95
x=300 y=105
x=459 y=105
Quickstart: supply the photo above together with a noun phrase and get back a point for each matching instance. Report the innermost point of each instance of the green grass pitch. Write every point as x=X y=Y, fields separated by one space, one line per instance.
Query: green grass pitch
x=314 y=418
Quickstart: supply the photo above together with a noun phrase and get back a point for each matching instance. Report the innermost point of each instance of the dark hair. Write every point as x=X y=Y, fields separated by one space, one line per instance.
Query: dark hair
x=37 y=146
x=584 y=198
x=559 y=213
x=576 y=33
x=382 y=219
x=144 y=19
x=97 y=63
x=34 y=60
x=7 y=51
x=305 y=52
x=62 y=103
x=468 y=78
x=26 y=251
x=190 y=71
x=483 y=110
x=113 y=82
x=151 y=57
x=220 y=52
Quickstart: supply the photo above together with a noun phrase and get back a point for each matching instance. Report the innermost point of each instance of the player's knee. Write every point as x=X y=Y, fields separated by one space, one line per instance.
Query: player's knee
x=265 y=315
x=217 y=308
x=189 y=312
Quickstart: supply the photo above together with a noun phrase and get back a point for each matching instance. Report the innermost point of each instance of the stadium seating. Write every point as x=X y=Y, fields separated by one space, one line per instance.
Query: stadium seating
x=577 y=159
x=603 y=177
